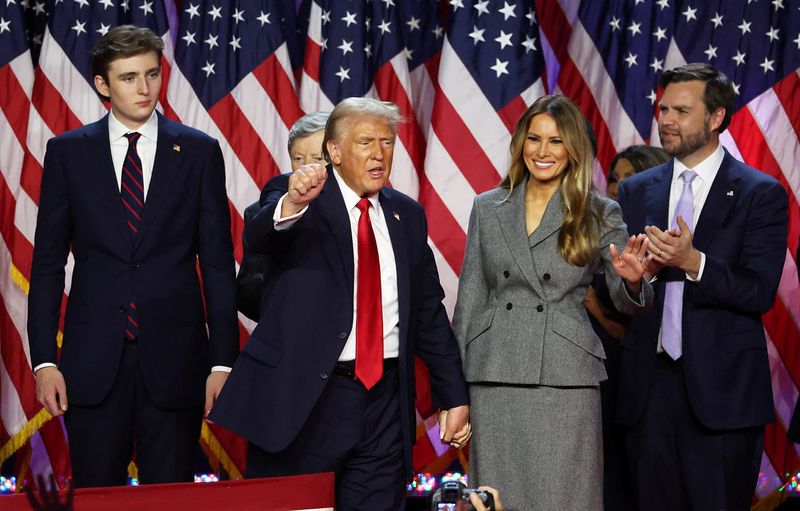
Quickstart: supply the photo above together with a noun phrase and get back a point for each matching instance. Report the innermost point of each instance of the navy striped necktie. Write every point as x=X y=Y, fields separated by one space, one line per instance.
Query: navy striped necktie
x=132 y=195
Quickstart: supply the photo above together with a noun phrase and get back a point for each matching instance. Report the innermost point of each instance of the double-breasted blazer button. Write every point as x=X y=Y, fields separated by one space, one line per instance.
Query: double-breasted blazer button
x=343 y=335
x=539 y=308
x=546 y=276
x=509 y=306
x=324 y=376
x=506 y=274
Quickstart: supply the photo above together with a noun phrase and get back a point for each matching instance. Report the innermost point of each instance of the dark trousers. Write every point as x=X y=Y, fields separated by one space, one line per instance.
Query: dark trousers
x=353 y=432
x=103 y=438
x=679 y=464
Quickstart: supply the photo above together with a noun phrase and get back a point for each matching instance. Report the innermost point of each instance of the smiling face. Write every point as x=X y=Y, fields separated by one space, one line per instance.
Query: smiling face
x=362 y=153
x=308 y=149
x=544 y=152
x=133 y=86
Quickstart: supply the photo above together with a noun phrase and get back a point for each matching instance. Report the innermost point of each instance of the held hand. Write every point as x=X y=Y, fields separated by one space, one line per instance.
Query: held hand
x=631 y=263
x=214 y=384
x=477 y=505
x=51 y=391
x=454 y=427
x=305 y=185
x=674 y=248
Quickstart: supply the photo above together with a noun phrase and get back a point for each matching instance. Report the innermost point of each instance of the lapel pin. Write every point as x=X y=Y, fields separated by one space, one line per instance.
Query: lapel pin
x=176 y=148
x=396 y=215
x=729 y=193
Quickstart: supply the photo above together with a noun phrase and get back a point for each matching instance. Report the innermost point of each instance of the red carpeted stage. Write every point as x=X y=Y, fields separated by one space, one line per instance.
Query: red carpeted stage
x=307 y=492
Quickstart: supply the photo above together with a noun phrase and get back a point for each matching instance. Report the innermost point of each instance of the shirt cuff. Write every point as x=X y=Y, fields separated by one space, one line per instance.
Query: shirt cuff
x=220 y=369
x=700 y=271
x=281 y=224
x=46 y=364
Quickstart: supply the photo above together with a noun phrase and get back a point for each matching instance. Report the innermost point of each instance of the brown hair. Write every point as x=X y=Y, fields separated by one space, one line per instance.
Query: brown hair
x=122 y=42
x=718 y=93
x=578 y=238
x=641 y=157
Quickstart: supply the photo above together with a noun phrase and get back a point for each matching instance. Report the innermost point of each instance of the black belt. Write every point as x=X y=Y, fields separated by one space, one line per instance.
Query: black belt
x=348 y=367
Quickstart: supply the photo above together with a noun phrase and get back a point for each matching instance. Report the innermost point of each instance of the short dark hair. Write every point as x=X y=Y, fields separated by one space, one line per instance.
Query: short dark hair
x=641 y=157
x=122 y=42
x=718 y=93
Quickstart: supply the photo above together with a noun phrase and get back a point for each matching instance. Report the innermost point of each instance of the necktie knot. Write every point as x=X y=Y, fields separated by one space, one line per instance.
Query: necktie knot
x=132 y=137
x=363 y=205
x=688 y=176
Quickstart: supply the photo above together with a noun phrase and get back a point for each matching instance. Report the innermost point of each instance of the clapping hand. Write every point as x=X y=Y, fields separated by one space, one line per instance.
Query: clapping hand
x=630 y=265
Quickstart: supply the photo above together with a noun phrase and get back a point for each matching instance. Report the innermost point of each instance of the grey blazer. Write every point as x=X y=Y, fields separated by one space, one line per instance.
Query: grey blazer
x=519 y=317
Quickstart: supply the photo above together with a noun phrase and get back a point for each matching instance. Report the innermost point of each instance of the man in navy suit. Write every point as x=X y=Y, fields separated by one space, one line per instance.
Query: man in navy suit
x=695 y=387
x=138 y=200
x=326 y=381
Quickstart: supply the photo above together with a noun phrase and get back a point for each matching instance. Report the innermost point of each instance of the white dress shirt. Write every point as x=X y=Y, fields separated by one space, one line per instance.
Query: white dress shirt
x=145 y=146
x=390 y=304
x=706 y=172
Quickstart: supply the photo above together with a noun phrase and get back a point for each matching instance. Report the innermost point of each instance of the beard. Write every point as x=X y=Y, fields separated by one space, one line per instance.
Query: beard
x=688 y=143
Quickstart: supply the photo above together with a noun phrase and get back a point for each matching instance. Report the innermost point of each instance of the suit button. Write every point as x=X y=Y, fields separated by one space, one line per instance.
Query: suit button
x=509 y=306
x=135 y=265
x=539 y=308
x=343 y=335
x=546 y=276
x=506 y=274
x=123 y=308
x=324 y=376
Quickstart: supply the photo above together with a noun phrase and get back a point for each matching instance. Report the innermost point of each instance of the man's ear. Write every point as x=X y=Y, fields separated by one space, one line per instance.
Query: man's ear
x=716 y=119
x=333 y=151
x=101 y=86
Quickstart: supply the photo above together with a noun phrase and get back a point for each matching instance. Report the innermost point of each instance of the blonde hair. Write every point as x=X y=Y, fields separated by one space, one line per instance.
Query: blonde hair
x=579 y=236
x=353 y=107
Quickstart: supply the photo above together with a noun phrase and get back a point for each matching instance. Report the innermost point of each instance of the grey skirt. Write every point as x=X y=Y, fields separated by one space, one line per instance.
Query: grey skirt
x=541 y=447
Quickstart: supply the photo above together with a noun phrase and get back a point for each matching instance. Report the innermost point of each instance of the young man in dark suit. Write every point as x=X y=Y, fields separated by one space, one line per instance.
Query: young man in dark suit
x=139 y=200
x=326 y=381
x=695 y=387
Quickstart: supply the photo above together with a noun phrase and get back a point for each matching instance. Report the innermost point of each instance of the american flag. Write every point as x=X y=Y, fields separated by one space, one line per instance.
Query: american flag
x=462 y=72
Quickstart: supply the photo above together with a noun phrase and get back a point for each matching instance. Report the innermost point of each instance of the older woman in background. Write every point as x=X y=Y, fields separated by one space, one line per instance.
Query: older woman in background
x=530 y=356
x=305 y=146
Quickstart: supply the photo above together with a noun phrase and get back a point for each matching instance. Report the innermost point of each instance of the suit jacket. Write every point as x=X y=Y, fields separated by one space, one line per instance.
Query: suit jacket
x=520 y=317
x=185 y=217
x=250 y=279
x=742 y=230
x=307 y=315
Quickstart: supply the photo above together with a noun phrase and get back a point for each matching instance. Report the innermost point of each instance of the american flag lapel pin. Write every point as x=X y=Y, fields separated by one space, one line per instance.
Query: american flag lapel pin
x=176 y=148
x=396 y=215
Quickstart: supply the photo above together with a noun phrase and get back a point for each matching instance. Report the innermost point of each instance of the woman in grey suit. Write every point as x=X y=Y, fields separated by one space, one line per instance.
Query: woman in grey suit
x=530 y=355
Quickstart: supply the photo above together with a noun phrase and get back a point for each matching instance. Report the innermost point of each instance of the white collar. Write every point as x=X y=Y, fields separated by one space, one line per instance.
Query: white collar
x=350 y=197
x=706 y=169
x=117 y=130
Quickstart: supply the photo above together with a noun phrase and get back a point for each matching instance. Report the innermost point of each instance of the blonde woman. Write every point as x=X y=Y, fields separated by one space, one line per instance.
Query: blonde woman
x=530 y=355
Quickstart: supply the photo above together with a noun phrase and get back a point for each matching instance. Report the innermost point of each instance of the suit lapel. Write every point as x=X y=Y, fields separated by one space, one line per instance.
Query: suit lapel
x=166 y=167
x=334 y=213
x=657 y=198
x=551 y=221
x=719 y=201
x=399 y=246
x=511 y=215
x=105 y=180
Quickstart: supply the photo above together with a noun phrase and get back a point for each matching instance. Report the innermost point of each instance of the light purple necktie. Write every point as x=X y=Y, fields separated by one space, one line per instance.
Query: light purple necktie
x=671 y=320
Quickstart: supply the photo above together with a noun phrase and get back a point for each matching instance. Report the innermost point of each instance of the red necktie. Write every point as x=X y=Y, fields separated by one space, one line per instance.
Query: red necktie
x=132 y=195
x=369 y=312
